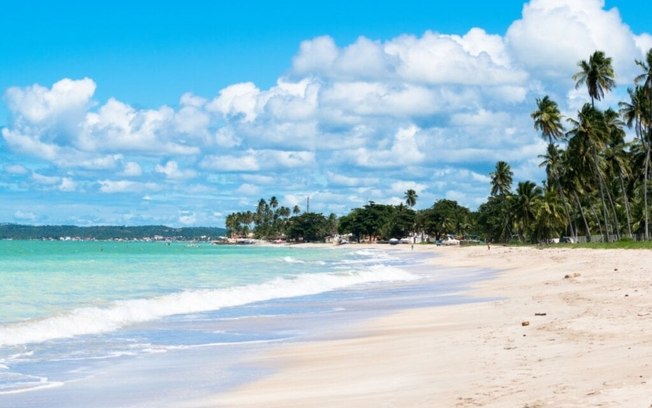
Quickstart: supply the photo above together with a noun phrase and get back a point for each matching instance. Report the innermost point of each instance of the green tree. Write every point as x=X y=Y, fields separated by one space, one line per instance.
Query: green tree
x=547 y=120
x=501 y=179
x=524 y=208
x=597 y=74
x=307 y=227
x=410 y=198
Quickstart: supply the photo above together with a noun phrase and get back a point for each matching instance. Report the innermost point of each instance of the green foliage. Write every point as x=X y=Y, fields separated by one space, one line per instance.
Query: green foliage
x=308 y=227
x=446 y=217
x=15 y=231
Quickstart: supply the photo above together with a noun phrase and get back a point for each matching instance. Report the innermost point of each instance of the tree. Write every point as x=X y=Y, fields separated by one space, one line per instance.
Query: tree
x=399 y=223
x=644 y=120
x=589 y=136
x=597 y=74
x=525 y=207
x=644 y=79
x=296 y=210
x=553 y=162
x=501 y=179
x=308 y=227
x=410 y=198
x=547 y=119
x=445 y=217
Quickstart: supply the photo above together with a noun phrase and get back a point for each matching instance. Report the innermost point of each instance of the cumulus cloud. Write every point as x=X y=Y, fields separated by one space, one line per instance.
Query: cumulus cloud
x=404 y=150
x=39 y=105
x=238 y=101
x=172 y=171
x=254 y=160
x=45 y=180
x=132 y=169
x=126 y=186
x=400 y=187
x=67 y=184
x=16 y=169
x=540 y=39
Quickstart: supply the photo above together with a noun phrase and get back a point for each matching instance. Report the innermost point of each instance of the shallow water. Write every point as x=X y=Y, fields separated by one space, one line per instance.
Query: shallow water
x=101 y=324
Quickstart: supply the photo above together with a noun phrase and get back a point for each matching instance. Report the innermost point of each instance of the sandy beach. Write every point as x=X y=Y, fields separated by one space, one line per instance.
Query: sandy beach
x=569 y=328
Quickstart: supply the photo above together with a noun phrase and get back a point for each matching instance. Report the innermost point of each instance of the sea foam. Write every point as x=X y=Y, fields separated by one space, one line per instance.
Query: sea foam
x=94 y=320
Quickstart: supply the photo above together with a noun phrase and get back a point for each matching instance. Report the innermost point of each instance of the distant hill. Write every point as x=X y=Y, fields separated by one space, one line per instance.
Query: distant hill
x=16 y=231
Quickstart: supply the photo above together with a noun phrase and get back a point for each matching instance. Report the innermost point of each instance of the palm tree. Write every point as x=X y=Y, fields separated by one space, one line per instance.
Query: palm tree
x=296 y=210
x=273 y=202
x=525 y=206
x=617 y=162
x=547 y=119
x=638 y=114
x=410 y=198
x=645 y=78
x=597 y=74
x=588 y=139
x=501 y=179
x=554 y=168
x=551 y=215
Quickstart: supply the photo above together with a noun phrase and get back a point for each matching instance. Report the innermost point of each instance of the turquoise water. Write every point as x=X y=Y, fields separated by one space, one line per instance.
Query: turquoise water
x=46 y=278
x=98 y=324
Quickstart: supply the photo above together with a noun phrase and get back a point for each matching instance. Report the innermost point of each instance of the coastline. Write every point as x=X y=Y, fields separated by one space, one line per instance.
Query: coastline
x=587 y=343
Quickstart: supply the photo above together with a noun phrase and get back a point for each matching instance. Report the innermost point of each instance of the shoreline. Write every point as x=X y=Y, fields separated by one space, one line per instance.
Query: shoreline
x=587 y=342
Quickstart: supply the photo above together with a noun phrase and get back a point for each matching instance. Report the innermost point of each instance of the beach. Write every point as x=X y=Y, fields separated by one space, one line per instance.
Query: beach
x=561 y=327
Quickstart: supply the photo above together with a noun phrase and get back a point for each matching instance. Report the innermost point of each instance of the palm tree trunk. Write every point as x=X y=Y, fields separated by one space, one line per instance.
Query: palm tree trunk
x=566 y=210
x=613 y=209
x=586 y=224
x=645 y=176
x=626 y=202
x=602 y=198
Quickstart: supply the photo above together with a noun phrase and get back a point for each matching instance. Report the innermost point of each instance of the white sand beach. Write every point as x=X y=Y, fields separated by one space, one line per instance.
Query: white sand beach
x=588 y=342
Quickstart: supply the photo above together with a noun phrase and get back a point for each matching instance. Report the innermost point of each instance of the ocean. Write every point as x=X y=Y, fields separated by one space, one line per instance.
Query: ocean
x=153 y=324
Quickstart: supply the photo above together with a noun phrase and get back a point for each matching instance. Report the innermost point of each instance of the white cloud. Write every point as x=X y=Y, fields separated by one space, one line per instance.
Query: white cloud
x=45 y=180
x=258 y=178
x=25 y=215
x=254 y=160
x=403 y=151
x=38 y=104
x=315 y=55
x=248 y=190
x=126 y=186
x=188 y=218
x=131 y=169
x=342 y=180
x=400 y=187
x=247 y=162
x=473 y=59
x=16 y=169
x=67 y=184
x=540 y=39
x=237 y=100
x=172 y=171
x=118 y=127
x=643 y=42
x=347 y=123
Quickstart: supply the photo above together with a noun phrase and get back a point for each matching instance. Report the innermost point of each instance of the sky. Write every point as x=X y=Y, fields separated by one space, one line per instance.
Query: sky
x=179 y=113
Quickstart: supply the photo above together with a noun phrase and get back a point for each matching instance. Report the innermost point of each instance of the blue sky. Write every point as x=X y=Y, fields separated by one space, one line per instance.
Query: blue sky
x=179 y=113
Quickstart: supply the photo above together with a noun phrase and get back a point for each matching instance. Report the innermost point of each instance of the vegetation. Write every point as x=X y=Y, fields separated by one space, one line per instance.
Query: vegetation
x=15 y=231
x=597 y=183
